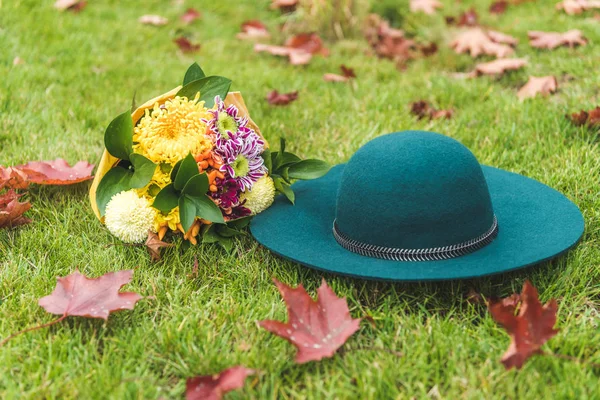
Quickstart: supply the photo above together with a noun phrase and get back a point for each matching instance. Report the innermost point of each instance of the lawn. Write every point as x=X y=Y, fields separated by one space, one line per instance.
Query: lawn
x=81 y=70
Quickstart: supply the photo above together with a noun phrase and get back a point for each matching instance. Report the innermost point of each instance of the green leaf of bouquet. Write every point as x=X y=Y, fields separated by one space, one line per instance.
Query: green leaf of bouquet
x=187 y=212
x=239 y=223
x=278 y=156
x=208 y=87
x=208 y=234
x=207 y=209
x=308 y=169
x=266 y=156
x=143 y=171
x=187 y=169
x=115 y=181
x=193 y=73
x=197 y=186
x=226 y=244
x=175 y=169
x=118 y=138
x=225 y=231
x=167 y=199
x=284 y=159
x=285 y=189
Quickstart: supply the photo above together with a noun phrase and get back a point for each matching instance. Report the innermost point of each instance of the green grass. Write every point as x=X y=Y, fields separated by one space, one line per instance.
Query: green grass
x=81 y=70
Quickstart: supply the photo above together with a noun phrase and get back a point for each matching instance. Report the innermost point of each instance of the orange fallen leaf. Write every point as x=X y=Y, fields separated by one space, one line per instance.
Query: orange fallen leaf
x=544 y=85
x=253 y=29
x=551 y=40
x=296 y=57
x=12 y=210
x=529 y=330
x=476 y=42
x=281 y=99
x=186 y=46
x=498 y=67
x=573 y=7
x=155 y=20
x=427 y=6
x=190 y=15
x=347 y=74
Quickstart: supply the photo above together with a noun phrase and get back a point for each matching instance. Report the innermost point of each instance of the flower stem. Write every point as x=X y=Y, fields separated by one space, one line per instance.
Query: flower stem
x=33 y=328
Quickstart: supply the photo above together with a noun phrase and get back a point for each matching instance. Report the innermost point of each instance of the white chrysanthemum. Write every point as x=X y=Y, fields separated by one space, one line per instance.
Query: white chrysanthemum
x=261 y=196
x=129 y=217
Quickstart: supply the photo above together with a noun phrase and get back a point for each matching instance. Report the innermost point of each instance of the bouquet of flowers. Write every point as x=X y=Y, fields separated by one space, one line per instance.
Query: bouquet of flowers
x=191 y=161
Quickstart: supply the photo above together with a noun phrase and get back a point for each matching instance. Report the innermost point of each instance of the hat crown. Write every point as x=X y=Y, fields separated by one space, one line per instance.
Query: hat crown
x=413 y=190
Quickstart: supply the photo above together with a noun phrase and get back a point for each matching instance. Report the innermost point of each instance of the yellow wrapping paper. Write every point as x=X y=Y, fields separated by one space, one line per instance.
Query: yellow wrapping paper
x=108 y=161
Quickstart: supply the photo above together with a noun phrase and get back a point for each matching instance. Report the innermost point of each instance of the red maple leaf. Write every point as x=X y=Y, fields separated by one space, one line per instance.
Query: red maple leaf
x=213 y=387
x=77 y=295
x=185 y=45
x=57 y=172
x=530 y=329
x=317 y=328
x=190 y=15
x=12 y=210
x=281 y=99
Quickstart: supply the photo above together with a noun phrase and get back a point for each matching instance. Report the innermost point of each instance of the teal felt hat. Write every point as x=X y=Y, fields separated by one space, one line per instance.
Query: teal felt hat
x=413 y=206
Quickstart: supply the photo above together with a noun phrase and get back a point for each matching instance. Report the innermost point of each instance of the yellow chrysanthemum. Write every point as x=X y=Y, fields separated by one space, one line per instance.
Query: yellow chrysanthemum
x=261 y=196
x=170 y=132
x=171 y=219
x=160 y=179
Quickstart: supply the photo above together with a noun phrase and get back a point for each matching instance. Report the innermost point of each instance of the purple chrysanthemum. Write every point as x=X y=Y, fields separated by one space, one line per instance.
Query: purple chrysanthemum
x=228 y=192
x=241 y=158
x=226 y=121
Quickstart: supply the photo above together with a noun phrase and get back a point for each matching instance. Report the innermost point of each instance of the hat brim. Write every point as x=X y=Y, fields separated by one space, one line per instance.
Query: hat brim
x=536 y=223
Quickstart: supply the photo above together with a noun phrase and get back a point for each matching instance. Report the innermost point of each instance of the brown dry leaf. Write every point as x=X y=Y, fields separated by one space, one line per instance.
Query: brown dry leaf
x=476 y=42
x=299 y=48
x=155 y=20
x=347 y=74
x=429 y=49
x=11 y=210
x=13 y=178
x=70 y=5
x=285 y=6
x=307 y=42
x=253 y=29
x=551 y=40
x=543 y=85
x=498 y=7
x=468 y=18
x=590 y=118
x=154 y=245
x=573 y=7
x=498 y=67
x=426 y=6
x=388 y=42
x=281 y=99
x=18 y=61
x=190 y=15
x=186 y=46
x=422 y=109
x=296 y=57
